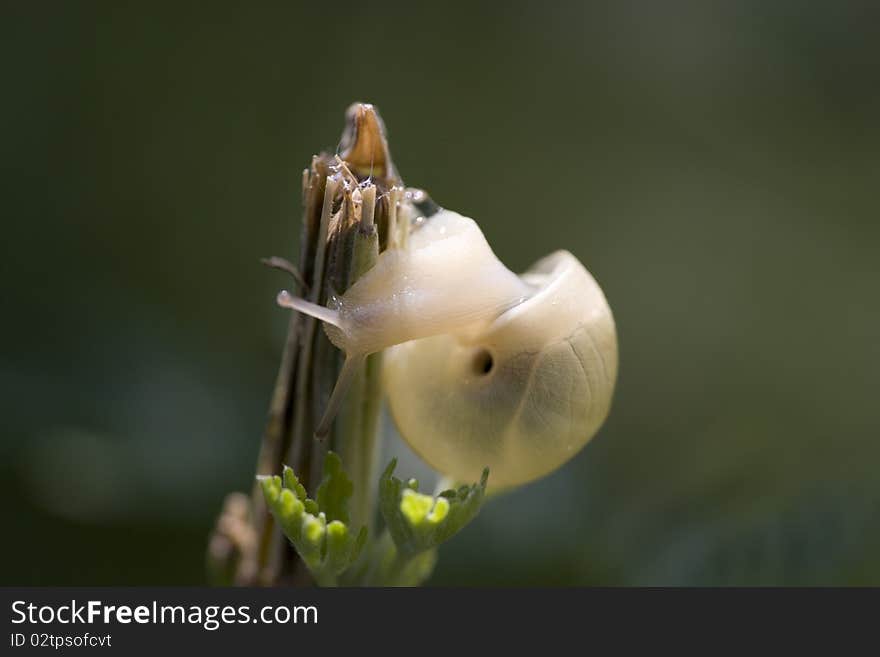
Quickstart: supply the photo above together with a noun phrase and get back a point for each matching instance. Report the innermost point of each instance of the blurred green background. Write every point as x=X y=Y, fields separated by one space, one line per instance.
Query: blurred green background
x=716 y=167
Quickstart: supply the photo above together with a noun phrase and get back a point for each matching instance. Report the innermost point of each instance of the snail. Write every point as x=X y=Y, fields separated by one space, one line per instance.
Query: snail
x=482 y=367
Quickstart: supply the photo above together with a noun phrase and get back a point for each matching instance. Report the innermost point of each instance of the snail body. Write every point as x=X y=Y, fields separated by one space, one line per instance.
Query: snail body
x=446 y=278
x=482 y=367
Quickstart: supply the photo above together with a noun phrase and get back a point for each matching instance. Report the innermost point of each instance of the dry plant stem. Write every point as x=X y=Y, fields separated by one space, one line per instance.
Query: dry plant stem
x=360 y=415
x=348 y=203
x=276 y=560
x=272 y=560
x=301 y=404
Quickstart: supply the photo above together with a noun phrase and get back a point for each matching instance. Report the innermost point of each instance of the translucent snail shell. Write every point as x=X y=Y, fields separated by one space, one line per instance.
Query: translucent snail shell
x=482 y=367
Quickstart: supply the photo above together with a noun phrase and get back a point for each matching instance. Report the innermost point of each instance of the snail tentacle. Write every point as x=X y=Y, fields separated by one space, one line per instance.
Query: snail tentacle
x=328 y=315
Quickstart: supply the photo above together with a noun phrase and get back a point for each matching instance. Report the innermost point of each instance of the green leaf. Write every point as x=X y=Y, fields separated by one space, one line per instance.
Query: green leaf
x=335 y=490
x=419 y=522
x=318 y=529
